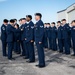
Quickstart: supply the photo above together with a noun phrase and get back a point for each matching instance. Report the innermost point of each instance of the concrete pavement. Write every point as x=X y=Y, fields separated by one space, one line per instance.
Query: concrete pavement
x=57 y=64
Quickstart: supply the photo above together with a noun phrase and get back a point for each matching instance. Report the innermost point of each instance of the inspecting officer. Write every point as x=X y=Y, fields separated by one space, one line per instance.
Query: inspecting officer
x=39 y=34
x=4 y=36
x=10 y=37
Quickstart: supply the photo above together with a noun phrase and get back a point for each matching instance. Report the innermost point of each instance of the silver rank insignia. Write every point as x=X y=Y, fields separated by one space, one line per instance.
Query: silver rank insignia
x=3 y=28
x=32 y=27
x=74 y=28
x=41 y=26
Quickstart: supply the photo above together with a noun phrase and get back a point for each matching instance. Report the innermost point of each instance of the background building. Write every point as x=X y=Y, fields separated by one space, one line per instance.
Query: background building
x=68 y=13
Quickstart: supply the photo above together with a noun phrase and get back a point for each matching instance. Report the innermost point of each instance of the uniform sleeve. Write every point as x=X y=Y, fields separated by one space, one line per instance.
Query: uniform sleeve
x=3 y=30
x=41 y=29
x=15 y=30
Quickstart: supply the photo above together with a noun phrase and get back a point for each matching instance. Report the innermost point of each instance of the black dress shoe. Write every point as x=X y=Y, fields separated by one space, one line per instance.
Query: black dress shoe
x=40 y=66
x=67 y=53
x=73 y=55
x=25 y=58
x=12 y=59
x=18 y=53
x=5 y=55
x=30 y=61
x=21 y=55
x=63 y=53
x=60 y=51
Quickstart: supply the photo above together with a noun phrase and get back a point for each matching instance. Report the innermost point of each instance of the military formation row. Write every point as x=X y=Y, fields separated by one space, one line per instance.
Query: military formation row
x=21 y=39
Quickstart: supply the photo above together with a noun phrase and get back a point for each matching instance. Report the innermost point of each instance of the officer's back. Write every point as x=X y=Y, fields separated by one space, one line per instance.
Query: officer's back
x=10 y=34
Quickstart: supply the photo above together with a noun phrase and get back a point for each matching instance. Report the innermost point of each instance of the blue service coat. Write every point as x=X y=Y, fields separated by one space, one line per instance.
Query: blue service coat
x=39 y=31
x=3 y=33
x=10 y=30
x=53 y=32
x=66 y=31
x=30 y=31
x=59 y=32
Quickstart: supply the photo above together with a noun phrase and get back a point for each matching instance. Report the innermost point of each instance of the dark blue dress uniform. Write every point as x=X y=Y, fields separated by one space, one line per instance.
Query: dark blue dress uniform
x=60 y=39
x=49 y=36
x=17 y=39
x=65 y=36
x=3 y=39
x=29 y=37
x=39 y=34
x=22 y=39
x=73 y=37
x=10 y=39
x=53 y=38
x=45 y=43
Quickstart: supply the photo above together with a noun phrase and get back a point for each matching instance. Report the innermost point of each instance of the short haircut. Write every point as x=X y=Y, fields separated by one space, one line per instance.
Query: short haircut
x=58 y=21
x=12 y=21
x=53 y=23
x=5 y=20
x=23 y=18
x=17 y=25
x=73 y=21
x=38 y=14
x=63 y=20
x=15 y=19
x=20 y=19
x=48 y=23
x=29 y=16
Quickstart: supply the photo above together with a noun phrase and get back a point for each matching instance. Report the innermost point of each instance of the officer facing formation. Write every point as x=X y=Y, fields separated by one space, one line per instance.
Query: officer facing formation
x=10 y=30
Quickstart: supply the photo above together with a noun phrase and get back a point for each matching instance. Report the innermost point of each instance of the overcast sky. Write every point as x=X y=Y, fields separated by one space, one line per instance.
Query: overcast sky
x=20 y=8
